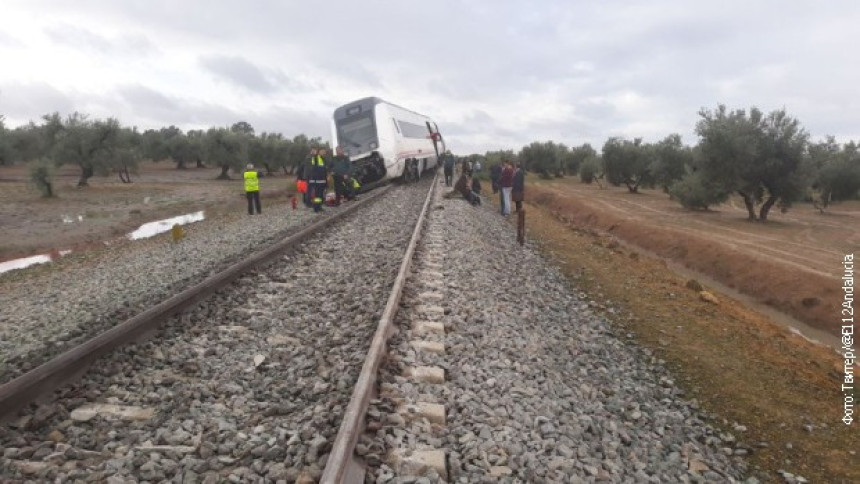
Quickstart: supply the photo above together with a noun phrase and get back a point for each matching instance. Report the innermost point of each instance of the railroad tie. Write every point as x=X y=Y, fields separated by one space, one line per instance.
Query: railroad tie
x=427 y=341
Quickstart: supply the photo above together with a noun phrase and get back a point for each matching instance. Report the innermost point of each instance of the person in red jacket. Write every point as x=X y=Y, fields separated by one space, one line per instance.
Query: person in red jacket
x=506 y=182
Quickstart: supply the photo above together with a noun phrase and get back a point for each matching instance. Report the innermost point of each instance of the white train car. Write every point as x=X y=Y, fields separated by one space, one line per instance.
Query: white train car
x=385 y=141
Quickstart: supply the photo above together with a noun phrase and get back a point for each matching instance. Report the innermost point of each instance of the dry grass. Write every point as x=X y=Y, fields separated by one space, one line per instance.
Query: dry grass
x=792 y=263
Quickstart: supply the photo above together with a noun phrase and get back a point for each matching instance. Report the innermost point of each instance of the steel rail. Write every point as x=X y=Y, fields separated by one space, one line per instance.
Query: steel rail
x=341 y=466
x=72 y=363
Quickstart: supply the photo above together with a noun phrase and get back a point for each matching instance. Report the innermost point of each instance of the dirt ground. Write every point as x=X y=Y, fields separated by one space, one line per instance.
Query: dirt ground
x=792 y=263
x=78 y=218
x=738 y=365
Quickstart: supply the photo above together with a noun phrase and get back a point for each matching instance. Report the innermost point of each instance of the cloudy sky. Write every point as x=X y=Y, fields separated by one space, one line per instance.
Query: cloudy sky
x=492 y=73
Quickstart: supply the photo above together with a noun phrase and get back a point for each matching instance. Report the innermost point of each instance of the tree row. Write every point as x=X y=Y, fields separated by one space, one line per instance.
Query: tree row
x=768 y=160
x=104 y=146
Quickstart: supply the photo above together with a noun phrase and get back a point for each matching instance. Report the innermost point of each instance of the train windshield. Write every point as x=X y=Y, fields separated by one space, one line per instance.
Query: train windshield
x=357 y=134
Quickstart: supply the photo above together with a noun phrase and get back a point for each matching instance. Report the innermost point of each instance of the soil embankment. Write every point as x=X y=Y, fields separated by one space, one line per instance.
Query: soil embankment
x=770 y=265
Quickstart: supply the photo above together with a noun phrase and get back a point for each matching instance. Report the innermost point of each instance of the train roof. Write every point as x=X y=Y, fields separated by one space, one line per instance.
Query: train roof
x=372 y=101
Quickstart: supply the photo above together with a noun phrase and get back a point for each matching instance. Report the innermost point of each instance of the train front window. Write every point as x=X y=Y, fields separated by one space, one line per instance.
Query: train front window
x=356 y=133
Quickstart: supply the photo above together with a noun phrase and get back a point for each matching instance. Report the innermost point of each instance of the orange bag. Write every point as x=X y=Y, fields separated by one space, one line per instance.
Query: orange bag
x=302 y=186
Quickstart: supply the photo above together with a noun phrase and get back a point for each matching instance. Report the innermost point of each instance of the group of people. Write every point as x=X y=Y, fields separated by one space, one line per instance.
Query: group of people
x=509 y=181
x=311 y=180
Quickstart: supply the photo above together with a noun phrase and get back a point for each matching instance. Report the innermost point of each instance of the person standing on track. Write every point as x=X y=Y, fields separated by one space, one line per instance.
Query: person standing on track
x=252 y=189
x=317 y=180
x=449 y=168
x=506 y=181
x=340 y=168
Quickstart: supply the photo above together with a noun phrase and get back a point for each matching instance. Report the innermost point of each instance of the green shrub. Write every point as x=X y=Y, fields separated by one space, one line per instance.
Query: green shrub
x=589 y=170
x=696 y=193
x=42 y=176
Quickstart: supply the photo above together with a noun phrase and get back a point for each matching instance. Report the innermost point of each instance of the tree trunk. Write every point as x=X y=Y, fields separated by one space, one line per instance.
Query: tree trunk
x=200 y=163
x=750 y=204
x=632 y=187
x=224 y=173
x=180 y=164
x=49 y=190
x=762 y=215
x=86 y=174
x=124 y=175
x=268 y=169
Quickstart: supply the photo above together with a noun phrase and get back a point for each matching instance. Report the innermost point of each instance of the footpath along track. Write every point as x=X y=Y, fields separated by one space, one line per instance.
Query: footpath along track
x=250 y=385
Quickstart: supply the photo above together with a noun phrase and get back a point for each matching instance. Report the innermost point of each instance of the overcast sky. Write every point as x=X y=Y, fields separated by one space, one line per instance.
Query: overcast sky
x=493 y=74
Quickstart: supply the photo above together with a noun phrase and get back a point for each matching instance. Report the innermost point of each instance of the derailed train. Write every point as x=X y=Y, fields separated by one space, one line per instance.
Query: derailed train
x=385 y=141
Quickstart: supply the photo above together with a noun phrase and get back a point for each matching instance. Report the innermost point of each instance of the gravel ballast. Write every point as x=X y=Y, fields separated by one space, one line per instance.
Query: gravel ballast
x=250 y=386
x=538 y=387
x=47 y=312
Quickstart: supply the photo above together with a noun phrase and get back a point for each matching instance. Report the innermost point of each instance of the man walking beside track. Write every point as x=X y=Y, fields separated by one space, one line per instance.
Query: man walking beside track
x=449 y=168
x=317 y=180
x=252 y=189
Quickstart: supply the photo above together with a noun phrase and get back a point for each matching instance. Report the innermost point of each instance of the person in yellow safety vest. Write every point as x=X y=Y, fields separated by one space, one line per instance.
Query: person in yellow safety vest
x=317 y=179
x=252 y=189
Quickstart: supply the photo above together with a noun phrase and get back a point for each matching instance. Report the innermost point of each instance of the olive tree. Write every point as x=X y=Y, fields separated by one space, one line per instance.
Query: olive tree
x=28 y=142
x=79 y=141
x=541 y=158
x=226 y=149
x=195 y=139
x=153 y=145
x=125 y=153
x=577 y=156
x=7 y=152
x=671 y=161
x=837 y=172
x=628 y=162
x=762 y=158
x=590 y=170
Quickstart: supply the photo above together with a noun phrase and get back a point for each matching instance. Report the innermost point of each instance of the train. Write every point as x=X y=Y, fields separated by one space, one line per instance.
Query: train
x=386 y=142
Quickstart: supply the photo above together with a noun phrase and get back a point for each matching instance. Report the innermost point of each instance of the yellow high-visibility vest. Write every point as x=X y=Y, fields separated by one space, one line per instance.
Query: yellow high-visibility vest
x=252 y=184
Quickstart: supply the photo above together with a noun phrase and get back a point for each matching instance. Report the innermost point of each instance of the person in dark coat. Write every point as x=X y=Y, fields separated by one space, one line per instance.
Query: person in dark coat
x=518 y=188
x=302 y=174
x=495 y=174
x=340 y=169
x=449 y=167
x=463 y=186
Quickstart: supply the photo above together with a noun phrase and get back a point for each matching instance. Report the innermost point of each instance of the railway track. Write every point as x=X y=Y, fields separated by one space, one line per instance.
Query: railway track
x=249 y=383
x=422 y=345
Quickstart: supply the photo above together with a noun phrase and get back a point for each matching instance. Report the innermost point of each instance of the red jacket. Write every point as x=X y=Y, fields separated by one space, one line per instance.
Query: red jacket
x=507 y=178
